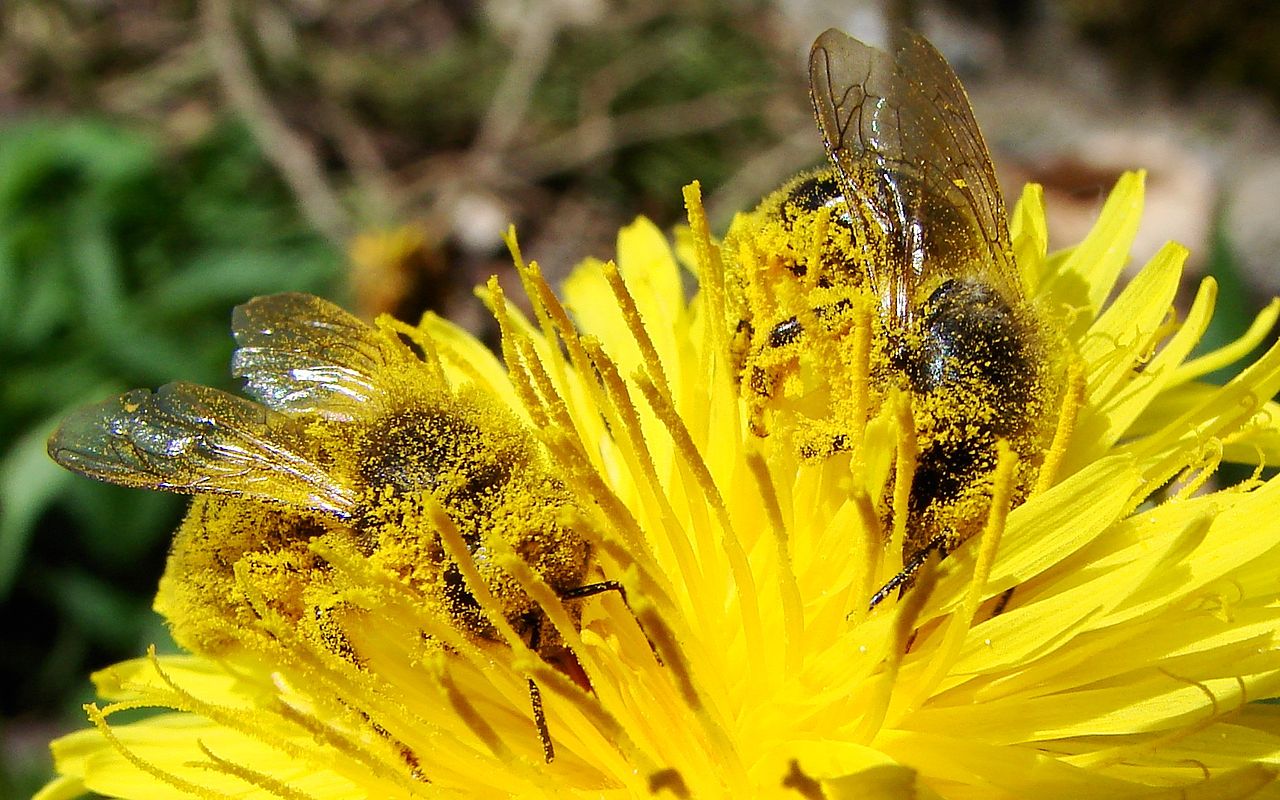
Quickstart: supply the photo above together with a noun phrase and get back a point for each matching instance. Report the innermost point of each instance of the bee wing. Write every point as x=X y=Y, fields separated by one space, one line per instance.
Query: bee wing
x=299 y=353
x=196 y=440
x=913 y=165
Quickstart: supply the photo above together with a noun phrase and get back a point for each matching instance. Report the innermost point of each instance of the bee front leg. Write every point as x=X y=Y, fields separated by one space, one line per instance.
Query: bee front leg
x=592 y=589
x=535 y=694
x=901 y=581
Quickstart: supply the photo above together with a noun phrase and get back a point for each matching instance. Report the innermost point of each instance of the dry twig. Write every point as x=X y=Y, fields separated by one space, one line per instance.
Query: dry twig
x=291 y=154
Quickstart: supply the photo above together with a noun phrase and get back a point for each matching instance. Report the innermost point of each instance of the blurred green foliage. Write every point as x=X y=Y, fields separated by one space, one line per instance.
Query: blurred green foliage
x=119 y=264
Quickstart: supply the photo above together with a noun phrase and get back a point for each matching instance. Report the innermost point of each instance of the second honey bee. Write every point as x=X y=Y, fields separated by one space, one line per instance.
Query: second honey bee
x=352 y=434
x=905 y=229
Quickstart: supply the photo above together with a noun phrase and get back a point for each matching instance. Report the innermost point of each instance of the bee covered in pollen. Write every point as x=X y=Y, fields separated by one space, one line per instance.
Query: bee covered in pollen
x=890 y=274
x=355 y=437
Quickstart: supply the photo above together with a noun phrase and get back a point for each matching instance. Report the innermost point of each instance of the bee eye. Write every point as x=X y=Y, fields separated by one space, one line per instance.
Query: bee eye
x=785 y=332
x=811 y=194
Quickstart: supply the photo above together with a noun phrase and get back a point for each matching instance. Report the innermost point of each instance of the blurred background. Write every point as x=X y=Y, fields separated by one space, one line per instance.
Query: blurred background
x=161 y=162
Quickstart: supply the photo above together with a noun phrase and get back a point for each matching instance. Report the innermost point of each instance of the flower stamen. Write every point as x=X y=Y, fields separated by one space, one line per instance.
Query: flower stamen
x=710 y=278
x=871 y=555
x=903 y=629
x=730 y=543
x=99 y=719
x=960 y=620
x=424 y=342
x=788 y=589
x=1068 y=413
x=636 y=326
x=624 y=416
x=908 y=453
x=255 y=778
x=521 y=379
x=471 y=717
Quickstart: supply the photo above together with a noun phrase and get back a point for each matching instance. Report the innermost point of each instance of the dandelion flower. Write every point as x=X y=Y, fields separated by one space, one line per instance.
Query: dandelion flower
x=1101 y=633
x=1122 y=665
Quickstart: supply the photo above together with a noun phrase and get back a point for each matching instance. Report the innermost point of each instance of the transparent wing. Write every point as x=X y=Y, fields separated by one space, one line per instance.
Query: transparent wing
x=913 y=165
x=299 y=353
x=195 y=440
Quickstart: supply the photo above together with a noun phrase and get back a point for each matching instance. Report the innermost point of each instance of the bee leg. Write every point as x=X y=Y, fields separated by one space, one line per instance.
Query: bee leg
x=592 y=589
x=1003 y=601
x=909 y=569
x=601 y=587
x=535 y=694
x=540 y=719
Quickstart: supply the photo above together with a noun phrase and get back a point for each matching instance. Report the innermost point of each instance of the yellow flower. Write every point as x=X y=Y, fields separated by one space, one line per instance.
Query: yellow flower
x=1141 y=623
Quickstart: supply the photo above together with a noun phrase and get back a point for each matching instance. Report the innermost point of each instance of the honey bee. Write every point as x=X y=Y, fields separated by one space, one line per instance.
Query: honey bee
x=349 y=431
x=905 y=227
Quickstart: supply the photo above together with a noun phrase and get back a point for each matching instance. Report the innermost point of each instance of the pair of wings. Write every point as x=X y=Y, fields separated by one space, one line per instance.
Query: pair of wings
x=913 y=166
x=298 y=354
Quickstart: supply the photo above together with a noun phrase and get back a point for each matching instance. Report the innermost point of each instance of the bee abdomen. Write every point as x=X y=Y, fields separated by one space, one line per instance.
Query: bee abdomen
x=947 y=469
x=973 y=343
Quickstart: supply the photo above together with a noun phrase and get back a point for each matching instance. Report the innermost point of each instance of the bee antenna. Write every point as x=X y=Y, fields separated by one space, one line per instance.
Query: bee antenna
x=600 y=587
